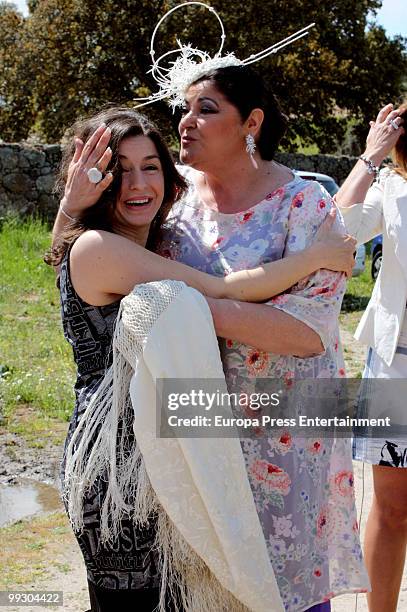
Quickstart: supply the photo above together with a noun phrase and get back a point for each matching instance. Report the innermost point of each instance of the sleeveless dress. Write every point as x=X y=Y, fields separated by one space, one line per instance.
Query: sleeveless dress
x=131 y=563
x=302 y=487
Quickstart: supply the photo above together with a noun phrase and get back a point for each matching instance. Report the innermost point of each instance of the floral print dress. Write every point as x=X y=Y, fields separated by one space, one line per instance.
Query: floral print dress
x=302 y=487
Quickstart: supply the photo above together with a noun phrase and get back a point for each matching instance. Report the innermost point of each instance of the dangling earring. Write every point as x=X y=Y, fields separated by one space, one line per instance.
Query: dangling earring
x=250 y=145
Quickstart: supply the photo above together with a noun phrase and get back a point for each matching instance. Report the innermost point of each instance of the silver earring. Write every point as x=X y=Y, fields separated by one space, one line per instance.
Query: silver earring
x=250 y=145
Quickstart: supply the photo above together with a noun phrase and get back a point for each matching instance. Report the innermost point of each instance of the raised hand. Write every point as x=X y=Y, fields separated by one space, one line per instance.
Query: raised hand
x=80 y=192
x=383 y=134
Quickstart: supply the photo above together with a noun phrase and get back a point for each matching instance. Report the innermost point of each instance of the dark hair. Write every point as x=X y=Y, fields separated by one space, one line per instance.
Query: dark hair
x=399 y=153
x=246 y=90
x=123 y=122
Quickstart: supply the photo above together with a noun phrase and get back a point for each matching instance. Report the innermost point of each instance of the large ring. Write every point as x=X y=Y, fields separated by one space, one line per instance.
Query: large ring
x=94 y=175
x=393 y=124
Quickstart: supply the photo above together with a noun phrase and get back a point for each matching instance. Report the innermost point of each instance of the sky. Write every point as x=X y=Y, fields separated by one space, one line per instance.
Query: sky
x=392 y=16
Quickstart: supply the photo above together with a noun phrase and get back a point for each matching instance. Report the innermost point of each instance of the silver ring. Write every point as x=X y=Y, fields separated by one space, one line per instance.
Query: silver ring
x=393 y=124
x=94 y=175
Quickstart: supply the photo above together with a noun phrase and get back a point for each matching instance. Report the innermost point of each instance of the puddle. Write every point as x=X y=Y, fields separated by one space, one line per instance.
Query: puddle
x=26 y=498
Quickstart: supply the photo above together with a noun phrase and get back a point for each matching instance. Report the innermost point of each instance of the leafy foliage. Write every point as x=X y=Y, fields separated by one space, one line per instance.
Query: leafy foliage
x=74 y=56
x=16 y=115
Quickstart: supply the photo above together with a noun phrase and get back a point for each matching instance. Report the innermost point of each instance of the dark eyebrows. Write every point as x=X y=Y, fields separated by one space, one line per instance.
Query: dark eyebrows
x=202 y=98
x=154 y=156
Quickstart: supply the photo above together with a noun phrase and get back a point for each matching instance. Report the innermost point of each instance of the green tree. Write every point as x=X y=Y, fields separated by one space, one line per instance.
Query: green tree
x=85 y=54
x=16 y=116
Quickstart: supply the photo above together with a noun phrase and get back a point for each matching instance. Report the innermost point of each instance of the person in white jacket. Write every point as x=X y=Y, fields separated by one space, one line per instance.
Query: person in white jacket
x=369 y=210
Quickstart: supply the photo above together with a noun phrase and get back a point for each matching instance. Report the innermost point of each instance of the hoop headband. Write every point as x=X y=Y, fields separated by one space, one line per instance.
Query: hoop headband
x=193 y=63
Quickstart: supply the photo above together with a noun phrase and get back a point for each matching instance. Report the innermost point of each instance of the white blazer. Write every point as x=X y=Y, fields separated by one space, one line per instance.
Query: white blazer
x=384 y=211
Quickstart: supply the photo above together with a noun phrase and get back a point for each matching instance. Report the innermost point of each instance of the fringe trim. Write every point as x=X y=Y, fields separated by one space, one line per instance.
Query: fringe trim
x=185 y=578
x=99 y=449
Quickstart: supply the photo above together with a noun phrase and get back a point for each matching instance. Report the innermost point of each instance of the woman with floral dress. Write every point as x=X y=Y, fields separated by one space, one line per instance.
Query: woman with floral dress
x=241 y=210
x=239 y=213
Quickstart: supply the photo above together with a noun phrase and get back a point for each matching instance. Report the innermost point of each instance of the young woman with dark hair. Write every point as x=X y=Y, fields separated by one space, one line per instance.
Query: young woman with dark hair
x=103 y=242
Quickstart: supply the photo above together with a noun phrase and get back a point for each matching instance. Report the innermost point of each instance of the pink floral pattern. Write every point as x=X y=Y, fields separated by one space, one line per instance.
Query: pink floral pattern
x=343 y=483
x=271 y=477
x=257 y=362
x=301 y=486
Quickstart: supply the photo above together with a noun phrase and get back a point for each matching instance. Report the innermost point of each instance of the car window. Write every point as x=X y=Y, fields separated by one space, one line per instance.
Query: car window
x=328 y=183
x=330 y=186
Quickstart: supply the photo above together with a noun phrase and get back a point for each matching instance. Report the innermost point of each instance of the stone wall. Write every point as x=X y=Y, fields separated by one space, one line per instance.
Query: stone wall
x=337 y=167
x=27 y=176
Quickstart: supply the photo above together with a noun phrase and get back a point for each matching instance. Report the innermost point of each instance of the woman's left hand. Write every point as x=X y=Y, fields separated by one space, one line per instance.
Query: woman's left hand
x=80 y=193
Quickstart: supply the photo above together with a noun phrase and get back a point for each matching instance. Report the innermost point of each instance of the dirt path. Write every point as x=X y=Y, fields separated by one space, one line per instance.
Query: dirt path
x=354 y=354
x=71 y=581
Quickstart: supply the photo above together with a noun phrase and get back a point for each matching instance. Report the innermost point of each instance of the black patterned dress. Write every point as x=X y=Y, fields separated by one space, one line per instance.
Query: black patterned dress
x=130 y=563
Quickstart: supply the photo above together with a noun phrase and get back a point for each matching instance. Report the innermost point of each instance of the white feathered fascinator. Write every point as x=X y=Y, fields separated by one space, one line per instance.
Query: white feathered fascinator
x=192 y=63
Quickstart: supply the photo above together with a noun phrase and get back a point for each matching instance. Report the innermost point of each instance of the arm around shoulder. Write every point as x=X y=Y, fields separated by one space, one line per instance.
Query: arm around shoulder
x=106 y=266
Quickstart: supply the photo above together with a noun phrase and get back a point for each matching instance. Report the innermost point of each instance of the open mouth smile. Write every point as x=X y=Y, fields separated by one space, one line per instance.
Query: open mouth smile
x=138 y=202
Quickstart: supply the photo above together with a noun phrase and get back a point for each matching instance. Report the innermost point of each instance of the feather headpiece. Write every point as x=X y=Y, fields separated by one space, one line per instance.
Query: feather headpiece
x=193 y=63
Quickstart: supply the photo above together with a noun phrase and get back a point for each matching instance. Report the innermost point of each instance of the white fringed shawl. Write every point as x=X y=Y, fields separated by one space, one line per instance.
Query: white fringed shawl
x=209 y=537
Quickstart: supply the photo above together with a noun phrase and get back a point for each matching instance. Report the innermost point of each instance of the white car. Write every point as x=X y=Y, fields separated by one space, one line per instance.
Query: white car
x=331 y=187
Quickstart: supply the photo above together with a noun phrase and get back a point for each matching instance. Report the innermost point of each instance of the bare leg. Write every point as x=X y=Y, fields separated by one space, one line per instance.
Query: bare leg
x=386 y=537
